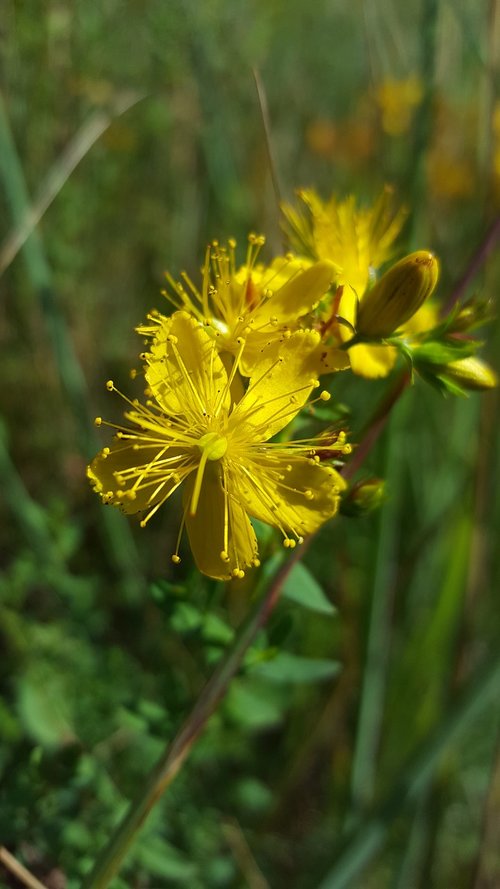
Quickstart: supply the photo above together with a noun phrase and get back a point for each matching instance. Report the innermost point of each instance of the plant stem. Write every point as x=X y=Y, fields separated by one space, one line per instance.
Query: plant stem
x=166 y=769
x=476 y=262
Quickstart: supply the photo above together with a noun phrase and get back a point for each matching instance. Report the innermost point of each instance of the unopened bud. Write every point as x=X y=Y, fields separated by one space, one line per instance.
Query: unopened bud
x=397 y=295
x=469 y=373
x=363 y=498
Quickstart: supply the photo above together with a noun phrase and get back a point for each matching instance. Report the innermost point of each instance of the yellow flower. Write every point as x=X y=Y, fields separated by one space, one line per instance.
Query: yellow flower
x=357 y=240
x=191 y=433
x=256 y=302
x=397 y=100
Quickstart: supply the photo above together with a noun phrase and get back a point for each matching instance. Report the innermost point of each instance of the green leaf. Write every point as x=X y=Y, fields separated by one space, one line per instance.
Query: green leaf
x=216 y=630
x=251 y=703
x=41 y=704
x=286 y=667
x=186 y=619
x=301 y=587
x=160 y=859
x=443 y=352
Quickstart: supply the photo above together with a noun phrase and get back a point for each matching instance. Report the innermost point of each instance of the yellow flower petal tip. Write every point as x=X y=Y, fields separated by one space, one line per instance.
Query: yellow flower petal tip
x=398 y=294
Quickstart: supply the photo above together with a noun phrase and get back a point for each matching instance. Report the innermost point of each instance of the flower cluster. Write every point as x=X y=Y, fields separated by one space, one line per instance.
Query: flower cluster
x=229 y=370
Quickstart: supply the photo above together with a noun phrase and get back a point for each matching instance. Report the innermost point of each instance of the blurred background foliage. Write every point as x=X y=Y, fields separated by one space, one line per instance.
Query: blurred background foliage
x=104 y=646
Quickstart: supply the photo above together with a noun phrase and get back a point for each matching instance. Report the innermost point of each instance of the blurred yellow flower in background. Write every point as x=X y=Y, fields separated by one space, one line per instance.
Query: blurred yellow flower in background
x=358 y=240
x=397 y=101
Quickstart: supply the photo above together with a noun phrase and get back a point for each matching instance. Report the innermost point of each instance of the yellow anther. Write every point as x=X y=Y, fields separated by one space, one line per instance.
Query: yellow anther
x=224 y=555
x=110 y=385
x=325 y=396
x=255 y=562
x=237 y=572
x=172 y=339
x=143 y=523
x=98 y=421
x=309 y=494
x=175 y=559
x=131 y=495
x=133 y=373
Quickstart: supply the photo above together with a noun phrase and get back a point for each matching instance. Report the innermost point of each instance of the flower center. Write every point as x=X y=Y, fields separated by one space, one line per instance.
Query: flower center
x=212 y=445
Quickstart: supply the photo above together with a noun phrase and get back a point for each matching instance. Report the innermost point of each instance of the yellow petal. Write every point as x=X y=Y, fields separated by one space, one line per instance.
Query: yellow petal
x=206 y=528
x=183 y=370
x=423 y=320
x=372 y=362
x=281 y=384
x=333 y=359
x=136 y=479
x=347 y=312
x=294 y=494
x=298 y=296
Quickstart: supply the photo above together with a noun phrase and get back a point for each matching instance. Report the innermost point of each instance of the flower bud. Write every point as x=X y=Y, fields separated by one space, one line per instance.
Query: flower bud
x=397 y=295
x=363 y=498
x=469 y=373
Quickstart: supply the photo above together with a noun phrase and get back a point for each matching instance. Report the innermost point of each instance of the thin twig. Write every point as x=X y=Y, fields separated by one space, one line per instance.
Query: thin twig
x=475 y=264
x=58 y=175
x=19 y=870
x=243 y=856
x=264 y=110
x=376 y=425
